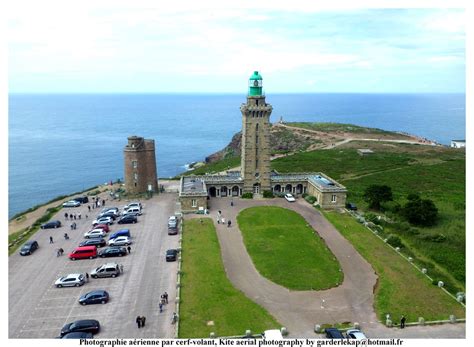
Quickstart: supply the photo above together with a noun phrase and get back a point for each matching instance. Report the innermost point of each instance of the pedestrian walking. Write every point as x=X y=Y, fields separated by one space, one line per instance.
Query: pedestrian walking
x=129 y=249
x=218 y=220
x=66 y=215
x=139 y=321
x=229 y=223
x=161 y=307
x=121 y=268
x=66 y=236
x=58 y=253
x=74 y=225
x=231 y=203
x=402 y=322
x=51 y=239
x=143 y=321
x=174 y=318
x=165 y=295
x=89 y=207
x=103 y=202
x=61 y=251
x=79 y=215
x=223 y=220
x=74 y=216
x=87 y=277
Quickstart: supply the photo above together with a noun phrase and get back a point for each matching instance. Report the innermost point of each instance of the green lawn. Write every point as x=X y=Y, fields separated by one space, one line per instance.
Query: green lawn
x=286 y=250
x=206 y=293
x=401 y=290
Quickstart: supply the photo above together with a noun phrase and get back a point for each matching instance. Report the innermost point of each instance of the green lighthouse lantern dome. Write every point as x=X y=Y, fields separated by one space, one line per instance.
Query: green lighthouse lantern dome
x=255 y=84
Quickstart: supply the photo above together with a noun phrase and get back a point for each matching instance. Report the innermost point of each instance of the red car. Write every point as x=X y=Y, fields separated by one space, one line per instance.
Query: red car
x=104 y=227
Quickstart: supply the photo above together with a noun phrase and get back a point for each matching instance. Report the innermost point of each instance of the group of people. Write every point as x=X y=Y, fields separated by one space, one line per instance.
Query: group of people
x=72 y=216
x=96 y=203
x=59 y=252
x=140 y=321
x=163 y=301
x=221 y=220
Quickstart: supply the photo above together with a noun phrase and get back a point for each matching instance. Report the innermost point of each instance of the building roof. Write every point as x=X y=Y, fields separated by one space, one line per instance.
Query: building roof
x=192 y=185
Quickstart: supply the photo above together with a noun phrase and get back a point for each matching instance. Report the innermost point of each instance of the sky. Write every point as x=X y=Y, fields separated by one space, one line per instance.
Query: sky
x=145 y=46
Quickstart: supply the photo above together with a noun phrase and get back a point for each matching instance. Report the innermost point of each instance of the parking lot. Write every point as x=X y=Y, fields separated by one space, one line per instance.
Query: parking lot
x=37 y=309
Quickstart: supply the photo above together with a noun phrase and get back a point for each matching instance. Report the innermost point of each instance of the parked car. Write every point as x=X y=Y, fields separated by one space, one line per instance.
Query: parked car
x=29 y=247
x=106 y=270
x=289 y=197
x=94 y=233
x=333 y=333
x=121 y=232
x=113 y=252
x=351 y=206
x=127 y=219
x=84 y=325
x=71 y=280
x=173 y=231
x=82 y=199
x=72 y=203
x=135 y=211
x=94 y=297
x=98 y=242
x=51 y=224
x=103 y=220
x=133 y=204
x=104 y=227
x=108 y=214
x=78 y=335
x=120 y=241
x=111 y=211
x=83 y=252
x=171 y=254
x=172 y=222
x=355 y=334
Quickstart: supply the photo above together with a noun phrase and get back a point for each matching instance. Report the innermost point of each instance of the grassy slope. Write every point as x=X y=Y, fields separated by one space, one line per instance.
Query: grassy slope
x=285 y=250
x=332 y=127
x=218 y=166
x=207 y=294
x=401 y=288
x=437 y=174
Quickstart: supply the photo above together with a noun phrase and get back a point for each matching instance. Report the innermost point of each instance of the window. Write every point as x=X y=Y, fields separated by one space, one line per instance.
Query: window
x=256 y=127
x=333 y=198
x=135 y=176
x=134 y=164
x=193 y=203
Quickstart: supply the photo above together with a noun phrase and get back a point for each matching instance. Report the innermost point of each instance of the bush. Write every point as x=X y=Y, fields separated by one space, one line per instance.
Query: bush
x=434 y=238
x=377 y=194
x=395 y=241
x=247 y=196
x=268 y=194
x=304 y=195
x=420 y=211
x=279 y=194
x=311 y=199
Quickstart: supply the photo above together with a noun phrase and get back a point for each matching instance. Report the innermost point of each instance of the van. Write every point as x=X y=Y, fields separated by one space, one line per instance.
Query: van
x=106 y=270
x=84 y=252
x=133 y=210
x=122 y=232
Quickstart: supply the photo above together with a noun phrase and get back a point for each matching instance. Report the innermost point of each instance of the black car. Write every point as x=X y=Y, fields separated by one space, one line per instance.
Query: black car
x=51 y=224
x=173 y=230
x=29 y=247
x=333 y=333
x=113 y=252
x=78 y=335
x=94 y=297
x=109 y=214
x=351 y=206
x=99 y=242
x=171 y=254
x=127 y=219
x=82 y=199
x=84 y=325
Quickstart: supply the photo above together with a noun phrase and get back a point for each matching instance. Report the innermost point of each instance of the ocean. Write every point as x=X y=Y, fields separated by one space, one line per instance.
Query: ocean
x=63 y=143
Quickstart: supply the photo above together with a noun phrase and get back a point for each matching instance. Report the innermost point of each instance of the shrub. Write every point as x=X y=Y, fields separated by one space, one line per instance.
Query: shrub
x=311 y=199
x=268 y=194
x=420 y=211
x=279 y=194
x=377 y=194
x=304 y=195
x=395 y=241
x=247 y=195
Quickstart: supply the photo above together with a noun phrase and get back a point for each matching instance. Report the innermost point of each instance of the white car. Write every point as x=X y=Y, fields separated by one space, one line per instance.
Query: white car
x=355 y=334
x=94 y=233
x=72 y=203
x=131 y=205
x=103 y=220
x=289 y=198
x=120 y=241
x=71 y=280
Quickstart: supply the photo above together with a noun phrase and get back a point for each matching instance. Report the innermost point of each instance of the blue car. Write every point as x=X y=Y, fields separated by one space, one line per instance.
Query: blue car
x=121 y=232
x=94 y=297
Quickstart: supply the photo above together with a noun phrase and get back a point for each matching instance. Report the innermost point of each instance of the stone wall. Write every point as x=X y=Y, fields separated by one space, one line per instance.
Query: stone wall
x=187 y=203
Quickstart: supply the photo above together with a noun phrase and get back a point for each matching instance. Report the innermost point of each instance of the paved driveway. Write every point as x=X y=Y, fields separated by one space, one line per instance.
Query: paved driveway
x=37 y=309
x=299 y=311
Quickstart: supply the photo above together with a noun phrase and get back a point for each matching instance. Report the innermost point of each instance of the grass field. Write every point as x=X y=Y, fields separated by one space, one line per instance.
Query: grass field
x=401 y=290
x=333 y=127
x=434 y=173
x=207 y=295
x=286 y=250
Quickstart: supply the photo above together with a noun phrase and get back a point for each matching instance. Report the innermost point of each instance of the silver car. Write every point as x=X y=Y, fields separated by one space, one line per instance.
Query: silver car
x=106 y=270
x=71 y=280
x=120 y=241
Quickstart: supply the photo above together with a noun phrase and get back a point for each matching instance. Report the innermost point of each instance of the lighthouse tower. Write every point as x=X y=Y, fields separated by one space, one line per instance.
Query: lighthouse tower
x=255 y=166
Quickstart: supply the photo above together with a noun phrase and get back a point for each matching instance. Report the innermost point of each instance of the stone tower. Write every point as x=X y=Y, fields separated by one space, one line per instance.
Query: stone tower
x=255 y=166
x=140 y=165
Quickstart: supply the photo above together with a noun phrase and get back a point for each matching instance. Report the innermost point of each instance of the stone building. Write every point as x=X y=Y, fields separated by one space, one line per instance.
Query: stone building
x=255 y=175
x=140 y=165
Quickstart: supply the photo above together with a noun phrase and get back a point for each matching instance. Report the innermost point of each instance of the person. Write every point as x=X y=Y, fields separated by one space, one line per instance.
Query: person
x=229 y=223
x=402 y=322
x=51 y=239
x=87 y=216
x=66 y=215
x=89 y=207
x=161 y=306
x=129 y=249
x=218 y=220
x=121 y=268
x=139 y=321
x=231 y=202
x=165 y=295
x=74 y=225
x=79 y=215
x=87 y=277
x=58 y=253
x=174 y=319
x=61 y=251
x=103 y=202
x=66 y=236
x=223 y=221
x=143 y=321
x=74 y=215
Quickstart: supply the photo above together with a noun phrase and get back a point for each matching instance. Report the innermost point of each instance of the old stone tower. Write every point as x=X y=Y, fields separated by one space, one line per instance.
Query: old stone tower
x=140 y=165
x=255 y=166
